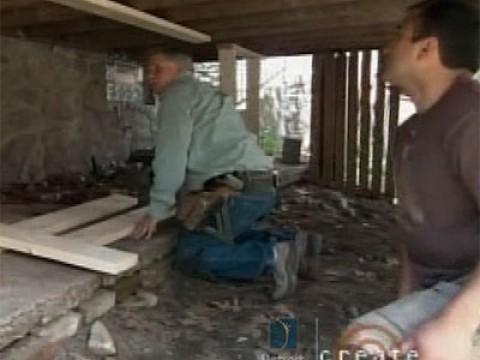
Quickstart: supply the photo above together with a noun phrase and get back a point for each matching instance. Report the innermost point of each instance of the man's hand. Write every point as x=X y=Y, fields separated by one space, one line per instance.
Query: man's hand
x=441 y=339
x=145 y=227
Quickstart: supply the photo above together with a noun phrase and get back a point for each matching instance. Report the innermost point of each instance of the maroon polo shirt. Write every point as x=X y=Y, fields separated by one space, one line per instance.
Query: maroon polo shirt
x=437 y=173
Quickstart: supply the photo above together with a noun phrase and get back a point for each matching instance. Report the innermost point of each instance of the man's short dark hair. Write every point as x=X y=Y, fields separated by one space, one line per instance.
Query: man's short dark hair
x=456 y=25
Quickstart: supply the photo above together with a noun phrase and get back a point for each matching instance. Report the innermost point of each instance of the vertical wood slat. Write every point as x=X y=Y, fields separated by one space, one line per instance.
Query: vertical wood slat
x=328 y=120
x=378 y=131
x=340 y=64
x=342 y=142
x=365 y=121
x=394 y=105
x=253 y=95
x=316 y=115
x=352 y=135
x=228 y=64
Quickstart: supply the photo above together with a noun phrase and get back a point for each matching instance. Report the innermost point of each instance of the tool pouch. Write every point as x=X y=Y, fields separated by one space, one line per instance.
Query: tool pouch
x=194 y=209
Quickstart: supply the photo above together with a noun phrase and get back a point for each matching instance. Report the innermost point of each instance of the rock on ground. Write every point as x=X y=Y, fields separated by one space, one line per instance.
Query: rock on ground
x=100 y=341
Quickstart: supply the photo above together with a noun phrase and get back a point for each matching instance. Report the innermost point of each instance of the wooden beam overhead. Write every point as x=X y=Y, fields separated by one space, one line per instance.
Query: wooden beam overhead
x=306 y=29
x=19 y=13
x=310 y=46
x=80 y=29
x=343 y=16
x=223 y=9
x=161 y=4
x=41 y=13
x=56 y=20
x=134 y=38
x=269 y=27
x=130 y=16
x=16 y=4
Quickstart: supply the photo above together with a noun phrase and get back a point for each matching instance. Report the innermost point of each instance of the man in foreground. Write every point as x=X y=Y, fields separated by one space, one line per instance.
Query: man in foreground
x=437 y=172
x=210 y=173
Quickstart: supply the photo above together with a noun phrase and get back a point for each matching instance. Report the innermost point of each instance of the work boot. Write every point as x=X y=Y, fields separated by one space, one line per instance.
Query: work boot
x=301 y=243
x=284 y=274
x=288 y=257
x=309 y=262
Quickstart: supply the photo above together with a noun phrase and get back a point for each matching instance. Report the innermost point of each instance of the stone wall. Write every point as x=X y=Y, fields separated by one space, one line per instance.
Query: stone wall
x=54 y=115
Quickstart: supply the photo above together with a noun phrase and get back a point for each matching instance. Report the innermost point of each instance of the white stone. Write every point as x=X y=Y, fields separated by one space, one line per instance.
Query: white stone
x=151 y=300
x=100 y=341
x=102 y=302
x=63 y=327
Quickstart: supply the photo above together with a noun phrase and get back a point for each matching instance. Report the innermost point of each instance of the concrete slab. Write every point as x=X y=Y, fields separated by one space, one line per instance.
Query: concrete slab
x=33 y=291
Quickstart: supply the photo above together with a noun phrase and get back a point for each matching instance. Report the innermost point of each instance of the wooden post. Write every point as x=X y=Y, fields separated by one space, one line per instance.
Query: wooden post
x=316 y=115
x=352 y=145
x=341 y=63
x=228 y=70
x=394 y=102
x=253 y=95
x=378 y=131
x=328 y=120
x=365 y=121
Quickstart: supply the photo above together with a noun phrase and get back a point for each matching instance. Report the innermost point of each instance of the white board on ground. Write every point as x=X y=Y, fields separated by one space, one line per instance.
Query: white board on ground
x=68 y=251
x=65 y=219
x=108 y=231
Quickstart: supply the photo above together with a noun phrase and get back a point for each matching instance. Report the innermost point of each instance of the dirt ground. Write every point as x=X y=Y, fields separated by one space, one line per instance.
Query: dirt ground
x=198 y=319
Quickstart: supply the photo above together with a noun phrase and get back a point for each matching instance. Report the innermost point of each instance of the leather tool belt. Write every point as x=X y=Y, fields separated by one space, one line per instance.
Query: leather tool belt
x=196 y=210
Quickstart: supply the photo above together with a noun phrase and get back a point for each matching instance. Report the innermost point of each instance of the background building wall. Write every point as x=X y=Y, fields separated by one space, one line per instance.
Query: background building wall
x=54 y=114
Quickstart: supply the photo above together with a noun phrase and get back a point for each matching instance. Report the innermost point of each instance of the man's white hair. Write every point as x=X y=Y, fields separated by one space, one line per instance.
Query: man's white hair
x=184 y=60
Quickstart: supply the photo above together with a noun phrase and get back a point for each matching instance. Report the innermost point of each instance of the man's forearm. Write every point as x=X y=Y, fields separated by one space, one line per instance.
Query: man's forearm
x=465 y=307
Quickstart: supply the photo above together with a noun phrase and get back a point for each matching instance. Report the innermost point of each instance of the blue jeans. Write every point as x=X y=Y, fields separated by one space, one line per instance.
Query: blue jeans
x=399 y=319
x=251 y=253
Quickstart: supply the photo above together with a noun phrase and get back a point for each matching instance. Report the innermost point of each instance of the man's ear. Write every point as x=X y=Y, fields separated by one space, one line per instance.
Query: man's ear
x=428 y=48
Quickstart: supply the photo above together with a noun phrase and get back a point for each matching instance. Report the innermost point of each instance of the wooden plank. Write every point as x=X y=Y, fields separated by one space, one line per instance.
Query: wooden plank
x=108 y=231
x=253 y=95
x=98 y=258
x=340 y=117
x=228 y=70
x=328 y=120
x=315 y=118
x=378 y=133
x=352 y=133
x=394 y=104
x=65 y=219
x=127 y=15
x=365 y=121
